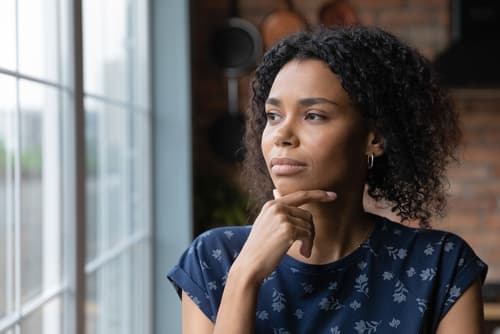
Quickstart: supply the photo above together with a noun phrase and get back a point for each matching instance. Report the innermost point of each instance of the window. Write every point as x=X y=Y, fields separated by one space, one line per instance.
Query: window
x=37 y=159
x=117 y=115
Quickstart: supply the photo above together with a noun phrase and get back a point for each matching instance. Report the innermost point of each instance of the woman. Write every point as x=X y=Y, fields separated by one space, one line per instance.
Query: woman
x=334 y=112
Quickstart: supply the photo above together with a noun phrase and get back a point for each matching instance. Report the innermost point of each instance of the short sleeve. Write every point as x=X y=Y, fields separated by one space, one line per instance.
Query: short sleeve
x=188 y=275
x=460 y=268
x=202 y=270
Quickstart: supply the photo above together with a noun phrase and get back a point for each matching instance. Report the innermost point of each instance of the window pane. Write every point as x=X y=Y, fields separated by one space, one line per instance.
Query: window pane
x=141 y=309
x=117 y=109
x=8 y=35
x=141 y=192
x=41 y=231
x=107 y=142
x=7 y=146
x=118 y=296
x=38 y=35
x=46 y=320
x=105 y=44
x=107 y=299
x=140 y=56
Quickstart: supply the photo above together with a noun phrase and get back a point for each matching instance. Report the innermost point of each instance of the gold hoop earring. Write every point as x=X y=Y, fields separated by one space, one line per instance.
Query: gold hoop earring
x=371 y=158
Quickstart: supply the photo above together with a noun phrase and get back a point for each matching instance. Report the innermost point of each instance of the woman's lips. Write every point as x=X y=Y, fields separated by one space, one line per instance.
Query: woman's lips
x=286 y=166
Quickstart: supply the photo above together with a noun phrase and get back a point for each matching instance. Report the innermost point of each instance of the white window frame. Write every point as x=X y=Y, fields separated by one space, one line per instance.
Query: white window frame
x=72 y=183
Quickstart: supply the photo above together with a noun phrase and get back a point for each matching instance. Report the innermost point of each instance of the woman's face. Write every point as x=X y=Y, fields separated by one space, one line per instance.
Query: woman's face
x=314 y=137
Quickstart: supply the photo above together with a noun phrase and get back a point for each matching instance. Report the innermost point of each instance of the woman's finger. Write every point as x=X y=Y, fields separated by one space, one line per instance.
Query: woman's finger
x=283 y=212
x=276 y=193
x=306 y=237
x=302 y=197
x=298 y=223
x=299 y=213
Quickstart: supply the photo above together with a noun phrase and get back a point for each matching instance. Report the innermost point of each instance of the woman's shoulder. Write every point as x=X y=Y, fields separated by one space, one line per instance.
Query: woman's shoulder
x=212 y=252
x=429 y=250
x=429 y=268
x=411 y=236
x=224 y=235
x=220 y=243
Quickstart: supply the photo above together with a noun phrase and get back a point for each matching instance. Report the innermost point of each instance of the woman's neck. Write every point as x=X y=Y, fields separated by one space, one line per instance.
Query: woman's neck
x=340 y=227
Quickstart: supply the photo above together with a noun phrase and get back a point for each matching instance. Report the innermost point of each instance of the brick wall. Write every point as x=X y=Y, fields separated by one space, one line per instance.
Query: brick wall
x=474 y=207
x=474 y=192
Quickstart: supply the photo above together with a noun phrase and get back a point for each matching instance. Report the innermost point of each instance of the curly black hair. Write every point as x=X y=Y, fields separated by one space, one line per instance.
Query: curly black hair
x=398 y=95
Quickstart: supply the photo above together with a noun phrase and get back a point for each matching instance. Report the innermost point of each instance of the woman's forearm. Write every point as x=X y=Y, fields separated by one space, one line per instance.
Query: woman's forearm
x=236 y=313
x=280 y=223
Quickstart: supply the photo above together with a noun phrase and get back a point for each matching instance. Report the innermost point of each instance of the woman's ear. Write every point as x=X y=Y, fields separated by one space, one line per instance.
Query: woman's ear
x=375 y=144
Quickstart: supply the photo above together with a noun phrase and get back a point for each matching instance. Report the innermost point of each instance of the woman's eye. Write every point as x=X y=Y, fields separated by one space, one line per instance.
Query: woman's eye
x=315 y=117
x=271 y=116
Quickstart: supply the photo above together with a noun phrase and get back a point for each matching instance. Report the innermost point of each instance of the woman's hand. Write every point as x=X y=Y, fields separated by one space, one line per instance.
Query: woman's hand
x=280 y=223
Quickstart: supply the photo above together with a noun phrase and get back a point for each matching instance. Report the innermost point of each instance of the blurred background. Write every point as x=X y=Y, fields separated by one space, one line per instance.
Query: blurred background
x=120 y=141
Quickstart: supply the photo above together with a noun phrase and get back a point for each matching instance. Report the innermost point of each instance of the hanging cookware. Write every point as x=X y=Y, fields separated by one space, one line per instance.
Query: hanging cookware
x=280 y=23
x=337 y=12
x=237 y=46
x=226 y=134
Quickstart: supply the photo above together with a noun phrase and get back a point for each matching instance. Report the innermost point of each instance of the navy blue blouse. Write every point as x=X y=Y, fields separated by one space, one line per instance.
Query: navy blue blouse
x=400 y=279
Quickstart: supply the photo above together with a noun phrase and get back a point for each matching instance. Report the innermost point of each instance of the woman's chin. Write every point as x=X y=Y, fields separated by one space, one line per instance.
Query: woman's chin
x=285 y=189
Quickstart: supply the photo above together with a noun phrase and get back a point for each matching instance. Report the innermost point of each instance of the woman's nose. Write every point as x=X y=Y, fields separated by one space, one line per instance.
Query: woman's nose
x=286 y=136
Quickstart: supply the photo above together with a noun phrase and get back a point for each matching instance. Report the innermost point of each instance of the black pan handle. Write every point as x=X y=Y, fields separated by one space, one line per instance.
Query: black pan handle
x=234 y=10
x=289 y=5
x=232 y=95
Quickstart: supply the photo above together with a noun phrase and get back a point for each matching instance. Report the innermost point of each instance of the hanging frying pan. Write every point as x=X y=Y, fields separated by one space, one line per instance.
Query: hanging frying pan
x=281 y=23
x=237 y=46
x=226 y=134
x=337 y=12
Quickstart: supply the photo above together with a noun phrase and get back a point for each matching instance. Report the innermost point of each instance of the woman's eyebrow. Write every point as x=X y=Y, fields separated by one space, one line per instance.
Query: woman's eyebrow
x=306 y=102
x=273 y=101
x=316 y=100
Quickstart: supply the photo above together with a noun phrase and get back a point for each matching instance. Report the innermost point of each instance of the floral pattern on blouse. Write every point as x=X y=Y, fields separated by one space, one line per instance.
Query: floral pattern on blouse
x=399 y=278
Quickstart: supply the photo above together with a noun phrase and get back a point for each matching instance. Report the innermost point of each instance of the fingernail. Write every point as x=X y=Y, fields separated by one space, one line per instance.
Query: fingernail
x=331 y=194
